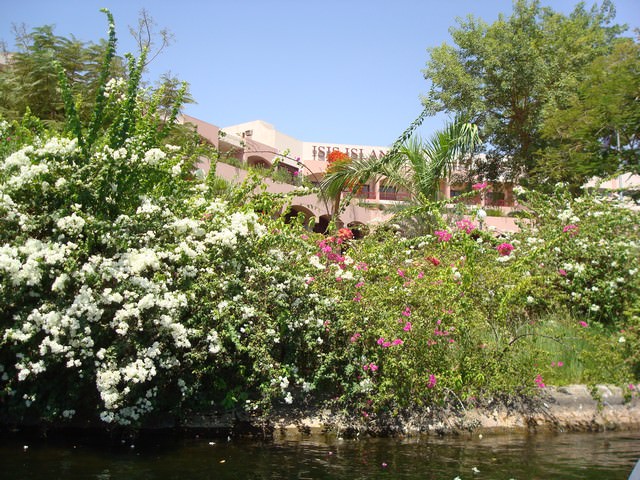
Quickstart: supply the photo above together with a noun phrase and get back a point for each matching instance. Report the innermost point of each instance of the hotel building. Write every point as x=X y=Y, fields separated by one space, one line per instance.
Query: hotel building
x=258 y=144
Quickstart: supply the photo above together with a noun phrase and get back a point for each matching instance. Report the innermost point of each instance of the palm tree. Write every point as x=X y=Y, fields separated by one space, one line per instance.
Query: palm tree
x=413 y=165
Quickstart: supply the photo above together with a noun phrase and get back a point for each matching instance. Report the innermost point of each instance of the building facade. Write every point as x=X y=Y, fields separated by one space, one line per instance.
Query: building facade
x=258 y=144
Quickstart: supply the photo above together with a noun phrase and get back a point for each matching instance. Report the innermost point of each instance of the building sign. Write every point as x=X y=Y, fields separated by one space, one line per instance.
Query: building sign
x=320 y=152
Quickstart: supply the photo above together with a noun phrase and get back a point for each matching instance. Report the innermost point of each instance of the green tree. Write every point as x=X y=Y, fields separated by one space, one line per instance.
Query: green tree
x=30 y=79
x=502 y=76
x=596 y=131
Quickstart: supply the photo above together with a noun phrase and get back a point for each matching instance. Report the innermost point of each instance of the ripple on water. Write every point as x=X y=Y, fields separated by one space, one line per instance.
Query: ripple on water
x=581 y=456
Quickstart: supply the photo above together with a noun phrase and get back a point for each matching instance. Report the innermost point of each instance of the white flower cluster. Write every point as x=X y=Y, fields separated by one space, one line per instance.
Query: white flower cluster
x=24 y=264
x=315 y=261
x=22 y=170
x=565 y=215
x=214 y=342
x=115 y=88
x=71 y=224
x=154 y=156
x=240 y=224
x=58 y=147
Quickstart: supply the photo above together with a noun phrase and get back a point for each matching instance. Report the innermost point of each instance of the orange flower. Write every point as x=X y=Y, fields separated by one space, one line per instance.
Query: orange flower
x=336 y=157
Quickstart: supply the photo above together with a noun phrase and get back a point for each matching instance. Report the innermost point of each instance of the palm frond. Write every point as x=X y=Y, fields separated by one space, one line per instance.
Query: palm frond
x=411 y=164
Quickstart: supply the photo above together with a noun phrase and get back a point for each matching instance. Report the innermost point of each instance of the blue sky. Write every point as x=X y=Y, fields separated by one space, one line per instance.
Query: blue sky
x=336 y=71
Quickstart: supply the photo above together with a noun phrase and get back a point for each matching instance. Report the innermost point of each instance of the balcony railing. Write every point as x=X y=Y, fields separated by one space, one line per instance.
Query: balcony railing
x=381 y=195
x=369 y=195
x=396 y=196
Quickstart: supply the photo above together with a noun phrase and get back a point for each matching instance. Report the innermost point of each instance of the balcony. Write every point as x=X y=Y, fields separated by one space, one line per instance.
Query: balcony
x=394 y=196
x=390 y=195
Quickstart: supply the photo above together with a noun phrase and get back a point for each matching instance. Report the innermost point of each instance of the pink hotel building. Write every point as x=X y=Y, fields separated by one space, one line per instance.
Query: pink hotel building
x=258 y=144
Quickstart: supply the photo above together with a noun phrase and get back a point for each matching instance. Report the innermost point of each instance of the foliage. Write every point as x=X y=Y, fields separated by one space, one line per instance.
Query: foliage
x=415 y=166
x=503 y=76
x=591 y=246
x=132 y=289
x=30 y=78
x=594 y=133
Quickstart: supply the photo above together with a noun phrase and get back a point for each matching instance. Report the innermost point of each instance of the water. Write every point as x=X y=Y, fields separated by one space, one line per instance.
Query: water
x=602 y=456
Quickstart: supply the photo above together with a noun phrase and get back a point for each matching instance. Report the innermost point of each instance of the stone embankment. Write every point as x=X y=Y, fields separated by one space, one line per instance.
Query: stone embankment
x=560 y=409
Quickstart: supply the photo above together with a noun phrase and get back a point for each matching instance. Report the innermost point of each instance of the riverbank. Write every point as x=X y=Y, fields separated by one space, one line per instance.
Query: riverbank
x=573 y=408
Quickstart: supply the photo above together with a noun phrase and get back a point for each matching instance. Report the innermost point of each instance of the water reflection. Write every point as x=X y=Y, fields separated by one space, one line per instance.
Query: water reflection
x=541 y=456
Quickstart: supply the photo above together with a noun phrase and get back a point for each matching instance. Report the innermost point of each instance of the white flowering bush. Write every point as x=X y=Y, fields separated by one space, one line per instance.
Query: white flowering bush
x=128 y=288
x=121 y=299
x=589 y=249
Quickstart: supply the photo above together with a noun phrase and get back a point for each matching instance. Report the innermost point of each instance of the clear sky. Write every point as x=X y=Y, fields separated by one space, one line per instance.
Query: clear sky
x=333 y=71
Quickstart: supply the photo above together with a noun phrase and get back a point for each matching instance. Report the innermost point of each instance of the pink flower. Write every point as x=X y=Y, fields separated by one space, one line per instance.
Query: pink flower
x=443 y=235
x=309 y=280
x=334 y=257
x=562 y=272
x=432 y=381
x=380 y=341
x=505 y=249
x=304 y=236
x=465 y=225
x=401 y=273
x=359 y=284
x=479 y=186
x=355 y=337
x=632 y=386
x=362 y=266
x=582 y=323
x=373 y=367
x=358 y=297
x=397 y=341
x=560 y=364
x=407 y=327
x=407 y=312
x=571 y=229
x=421 y=274
x=539 y=382
x=434 y=261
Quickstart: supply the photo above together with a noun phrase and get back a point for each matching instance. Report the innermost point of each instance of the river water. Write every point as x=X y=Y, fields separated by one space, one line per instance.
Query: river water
x=601 y=456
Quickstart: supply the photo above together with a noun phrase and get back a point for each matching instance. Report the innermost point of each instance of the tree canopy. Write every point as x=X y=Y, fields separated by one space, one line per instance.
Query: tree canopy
x=596 y=131
x=29 y=78
x=506 y=75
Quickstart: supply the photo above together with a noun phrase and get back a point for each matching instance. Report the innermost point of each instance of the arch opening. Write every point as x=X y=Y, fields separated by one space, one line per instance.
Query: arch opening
x=295 y=211
x=257 y=161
